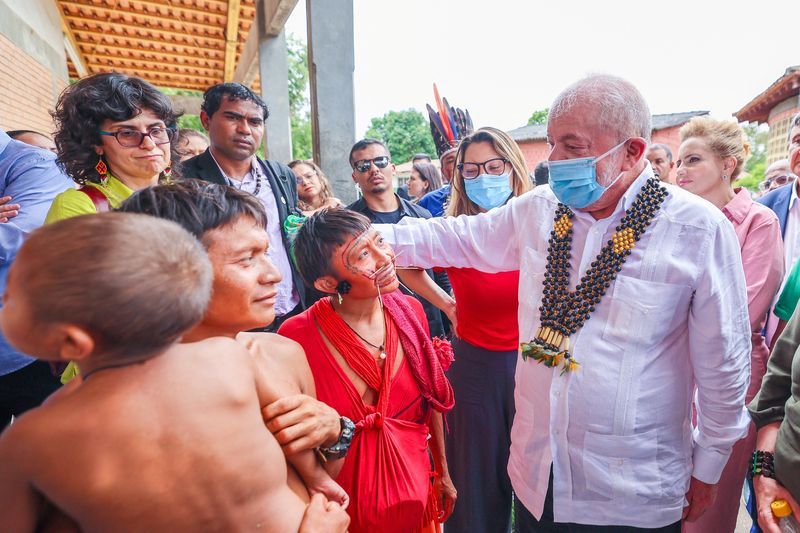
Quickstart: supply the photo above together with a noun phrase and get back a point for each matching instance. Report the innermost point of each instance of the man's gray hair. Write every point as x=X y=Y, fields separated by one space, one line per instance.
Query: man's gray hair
x=618 y=105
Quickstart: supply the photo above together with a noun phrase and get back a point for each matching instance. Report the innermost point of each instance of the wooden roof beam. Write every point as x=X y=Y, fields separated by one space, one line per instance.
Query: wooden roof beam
x=231 y=39
x=271 y=15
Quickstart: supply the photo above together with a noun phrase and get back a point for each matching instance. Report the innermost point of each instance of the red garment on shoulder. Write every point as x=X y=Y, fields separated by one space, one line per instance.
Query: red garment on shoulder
x=387 y=470
x=486 y=306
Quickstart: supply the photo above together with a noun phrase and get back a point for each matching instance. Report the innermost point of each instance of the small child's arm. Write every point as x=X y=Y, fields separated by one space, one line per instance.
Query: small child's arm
x=21 y=504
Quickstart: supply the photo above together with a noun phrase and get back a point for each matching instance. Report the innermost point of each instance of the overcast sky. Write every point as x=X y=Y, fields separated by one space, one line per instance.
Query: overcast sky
x=503 y=59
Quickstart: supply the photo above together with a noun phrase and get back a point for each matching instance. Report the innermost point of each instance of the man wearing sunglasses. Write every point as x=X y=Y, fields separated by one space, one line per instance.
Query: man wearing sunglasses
x=373 y=172
x=234 y=117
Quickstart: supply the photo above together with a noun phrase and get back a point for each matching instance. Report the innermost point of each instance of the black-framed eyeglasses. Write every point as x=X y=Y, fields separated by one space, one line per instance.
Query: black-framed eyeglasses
x=783 y=179
x=494 y=167
x=133 y=138
x=363 y=165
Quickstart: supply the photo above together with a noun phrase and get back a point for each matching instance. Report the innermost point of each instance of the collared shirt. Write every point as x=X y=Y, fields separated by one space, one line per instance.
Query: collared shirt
x=287 y=297
x=31 y=177
x=617 y=431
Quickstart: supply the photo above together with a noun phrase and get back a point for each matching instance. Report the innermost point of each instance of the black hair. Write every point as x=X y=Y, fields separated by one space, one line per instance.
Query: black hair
x=320 y=235
x=212 y=98
x=199 y=206
x=421 y=155
x=15 y=134
x=84 y=106
x=541 y=174
x=363 y=143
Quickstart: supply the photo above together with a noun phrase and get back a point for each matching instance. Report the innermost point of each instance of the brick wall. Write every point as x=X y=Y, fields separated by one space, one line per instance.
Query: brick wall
x=28 y=91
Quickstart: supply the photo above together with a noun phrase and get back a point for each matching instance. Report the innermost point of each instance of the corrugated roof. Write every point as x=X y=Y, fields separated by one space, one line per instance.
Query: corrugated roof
x=538 y=132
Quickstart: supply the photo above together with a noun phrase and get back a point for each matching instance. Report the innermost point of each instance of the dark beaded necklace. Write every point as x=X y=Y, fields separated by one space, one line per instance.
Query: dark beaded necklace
x=563 y=312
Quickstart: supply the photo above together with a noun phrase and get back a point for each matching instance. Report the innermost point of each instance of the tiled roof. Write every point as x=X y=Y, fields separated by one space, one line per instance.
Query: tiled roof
x=538 y=132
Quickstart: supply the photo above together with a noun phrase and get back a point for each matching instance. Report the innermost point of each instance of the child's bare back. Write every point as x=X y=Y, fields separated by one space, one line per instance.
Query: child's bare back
x=174 y=443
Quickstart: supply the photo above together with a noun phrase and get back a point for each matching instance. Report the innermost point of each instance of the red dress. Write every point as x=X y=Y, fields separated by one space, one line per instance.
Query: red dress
x=387 y=470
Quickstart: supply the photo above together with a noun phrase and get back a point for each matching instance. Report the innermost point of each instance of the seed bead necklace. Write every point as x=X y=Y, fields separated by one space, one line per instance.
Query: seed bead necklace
x=562 y=311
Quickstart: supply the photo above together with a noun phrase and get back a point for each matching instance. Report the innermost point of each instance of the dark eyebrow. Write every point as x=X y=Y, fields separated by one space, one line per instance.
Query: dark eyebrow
x=238 y=116
x=159 y=124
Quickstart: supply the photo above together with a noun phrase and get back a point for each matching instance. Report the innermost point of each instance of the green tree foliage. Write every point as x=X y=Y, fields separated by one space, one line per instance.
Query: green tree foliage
x=298 y=98
x=754 y=168
x=539 y=117
x=190 y=121
x=404 y=132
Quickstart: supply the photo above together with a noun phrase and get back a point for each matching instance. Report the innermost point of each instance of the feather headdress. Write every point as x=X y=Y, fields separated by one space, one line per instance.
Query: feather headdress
x=448 y=124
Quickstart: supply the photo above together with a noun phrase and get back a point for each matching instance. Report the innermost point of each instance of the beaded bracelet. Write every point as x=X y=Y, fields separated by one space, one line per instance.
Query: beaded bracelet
x=761 y=464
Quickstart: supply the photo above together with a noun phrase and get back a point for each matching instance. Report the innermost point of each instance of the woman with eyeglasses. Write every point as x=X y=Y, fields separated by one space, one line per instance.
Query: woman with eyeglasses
x=490 y=171
x=114 y=136
x=313 y=188
x=711 y=156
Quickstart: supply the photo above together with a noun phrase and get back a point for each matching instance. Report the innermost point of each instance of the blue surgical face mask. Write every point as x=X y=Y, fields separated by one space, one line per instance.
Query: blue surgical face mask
x=574 y=181
x=488 y=191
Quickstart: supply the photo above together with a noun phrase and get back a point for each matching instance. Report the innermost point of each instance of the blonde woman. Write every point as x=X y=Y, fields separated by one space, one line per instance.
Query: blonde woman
x=313 y=189
x=490 y=170
x=711 y=156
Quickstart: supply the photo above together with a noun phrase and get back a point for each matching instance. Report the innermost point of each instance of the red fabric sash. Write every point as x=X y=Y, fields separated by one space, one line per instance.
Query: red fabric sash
x=98 y=198
x=390 y=488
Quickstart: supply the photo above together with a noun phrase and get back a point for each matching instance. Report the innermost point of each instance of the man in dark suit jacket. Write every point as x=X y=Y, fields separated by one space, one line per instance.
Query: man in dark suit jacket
x=780 y=200
x=234 y=117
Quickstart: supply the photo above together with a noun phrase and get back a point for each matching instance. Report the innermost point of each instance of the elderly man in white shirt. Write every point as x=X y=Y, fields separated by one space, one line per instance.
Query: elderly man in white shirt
x=632 y=296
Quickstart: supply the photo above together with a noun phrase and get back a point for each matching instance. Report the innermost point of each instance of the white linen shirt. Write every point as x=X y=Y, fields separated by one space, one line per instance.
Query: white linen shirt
x=617 y=431
x=791 y=239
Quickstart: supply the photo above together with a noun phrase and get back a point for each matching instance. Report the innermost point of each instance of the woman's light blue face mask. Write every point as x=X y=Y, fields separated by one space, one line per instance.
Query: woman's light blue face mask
x=574 y=181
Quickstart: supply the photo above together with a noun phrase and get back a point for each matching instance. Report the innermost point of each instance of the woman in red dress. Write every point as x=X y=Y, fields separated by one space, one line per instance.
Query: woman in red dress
x=373 y=361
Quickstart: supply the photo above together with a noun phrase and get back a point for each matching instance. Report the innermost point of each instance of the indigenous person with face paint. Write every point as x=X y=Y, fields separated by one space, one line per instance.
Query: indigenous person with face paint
x=373 y=172
x=631 y=294
x=373 y=362
x=711 y=157
x=448 y=126
x=490 y=170
x=114 y=136
x=313 y=188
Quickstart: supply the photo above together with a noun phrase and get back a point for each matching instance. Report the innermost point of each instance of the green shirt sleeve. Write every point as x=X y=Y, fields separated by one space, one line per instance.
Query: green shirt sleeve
x=789 y=295
x=769 y=405
x=68 y=204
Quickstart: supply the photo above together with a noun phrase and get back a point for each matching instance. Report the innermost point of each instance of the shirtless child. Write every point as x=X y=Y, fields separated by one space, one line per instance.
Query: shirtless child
x=156 y=436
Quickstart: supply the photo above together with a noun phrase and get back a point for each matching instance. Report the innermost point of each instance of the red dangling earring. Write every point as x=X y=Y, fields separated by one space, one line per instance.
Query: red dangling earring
x=102 y=170
x=166 y=173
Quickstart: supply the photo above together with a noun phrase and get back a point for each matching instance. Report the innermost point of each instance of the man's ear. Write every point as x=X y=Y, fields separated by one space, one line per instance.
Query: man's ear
x=326 y=284
x=204 y=120
x=634 y=152
x=75 y=343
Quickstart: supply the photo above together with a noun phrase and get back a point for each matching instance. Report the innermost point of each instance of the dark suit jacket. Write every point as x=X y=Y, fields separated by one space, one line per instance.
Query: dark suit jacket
x=778 y=201
x=284 y=187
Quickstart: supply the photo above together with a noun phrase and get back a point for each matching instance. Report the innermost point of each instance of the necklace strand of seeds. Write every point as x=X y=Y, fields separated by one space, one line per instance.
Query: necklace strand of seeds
x=563 y=312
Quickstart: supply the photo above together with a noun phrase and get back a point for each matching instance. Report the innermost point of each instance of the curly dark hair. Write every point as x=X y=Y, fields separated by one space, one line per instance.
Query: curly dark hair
x=82 y=108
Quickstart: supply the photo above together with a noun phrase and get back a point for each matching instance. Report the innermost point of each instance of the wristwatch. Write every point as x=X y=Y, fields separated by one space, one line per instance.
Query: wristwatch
x=339 y=449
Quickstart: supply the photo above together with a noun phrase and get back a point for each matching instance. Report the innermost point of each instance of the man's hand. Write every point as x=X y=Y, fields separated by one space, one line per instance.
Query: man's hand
x=447 y=494
x=7 y=210
x=767 y=490
x=323 y=516
x=700 y=497
x=301 y=423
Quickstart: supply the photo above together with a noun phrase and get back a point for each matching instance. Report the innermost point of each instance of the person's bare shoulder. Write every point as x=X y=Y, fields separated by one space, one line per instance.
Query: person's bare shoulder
x=280 y=356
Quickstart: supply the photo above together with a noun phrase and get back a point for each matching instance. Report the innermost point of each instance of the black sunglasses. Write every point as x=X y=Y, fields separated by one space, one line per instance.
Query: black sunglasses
x=363 y=165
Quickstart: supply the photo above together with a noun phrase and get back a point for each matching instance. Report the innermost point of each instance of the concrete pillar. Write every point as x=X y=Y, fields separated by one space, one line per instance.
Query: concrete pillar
x=330 y=64
x=273 y=67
